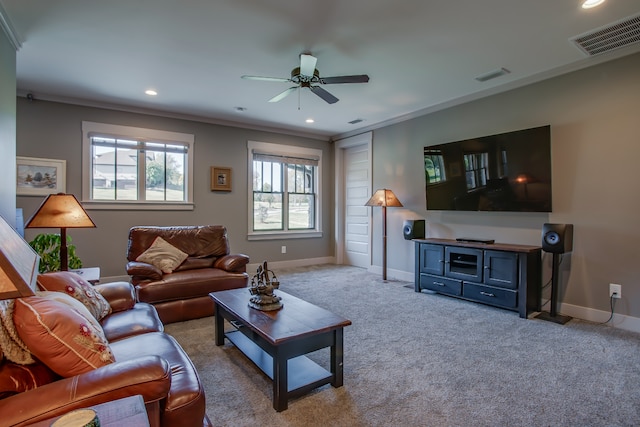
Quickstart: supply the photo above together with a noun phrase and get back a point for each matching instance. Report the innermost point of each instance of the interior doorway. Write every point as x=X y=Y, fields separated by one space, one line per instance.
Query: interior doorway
x=353 y=189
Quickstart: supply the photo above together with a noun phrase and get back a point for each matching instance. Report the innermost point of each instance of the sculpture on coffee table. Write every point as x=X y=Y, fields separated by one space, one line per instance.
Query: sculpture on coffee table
x=262 y=285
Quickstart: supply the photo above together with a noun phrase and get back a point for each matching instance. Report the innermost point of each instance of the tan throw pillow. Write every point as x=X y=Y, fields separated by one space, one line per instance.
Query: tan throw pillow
x=163 y=255
x=74 y=285
x=62 y=335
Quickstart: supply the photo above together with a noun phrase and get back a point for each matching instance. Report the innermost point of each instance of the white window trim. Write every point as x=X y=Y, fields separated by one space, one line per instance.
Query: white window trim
x=284 y=150
x=134 y=132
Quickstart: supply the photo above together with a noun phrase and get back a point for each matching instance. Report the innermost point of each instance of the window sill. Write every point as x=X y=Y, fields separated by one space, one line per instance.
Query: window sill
x=137 y=206
x=280 y=235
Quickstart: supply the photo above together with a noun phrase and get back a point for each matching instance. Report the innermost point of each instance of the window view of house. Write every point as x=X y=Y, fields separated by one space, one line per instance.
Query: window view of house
x=132 y=170
x=127 y=167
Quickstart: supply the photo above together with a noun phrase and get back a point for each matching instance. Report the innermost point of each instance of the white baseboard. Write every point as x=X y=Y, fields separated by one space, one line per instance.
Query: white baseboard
x=252 y=267
x=110 y=279
x=620 y=321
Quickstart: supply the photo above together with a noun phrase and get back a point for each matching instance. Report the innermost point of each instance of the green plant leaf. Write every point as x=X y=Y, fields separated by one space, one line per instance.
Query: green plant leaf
x=48 y=247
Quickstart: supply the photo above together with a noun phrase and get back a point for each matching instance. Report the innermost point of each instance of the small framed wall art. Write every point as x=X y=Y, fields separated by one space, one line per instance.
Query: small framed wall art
x=220 y=178
x=40 y=177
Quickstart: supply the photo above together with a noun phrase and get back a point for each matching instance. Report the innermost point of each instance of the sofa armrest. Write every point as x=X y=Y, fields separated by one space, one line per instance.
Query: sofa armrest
x=236 y=263
x=121 y=296
x=142 y=269
x=149 y=376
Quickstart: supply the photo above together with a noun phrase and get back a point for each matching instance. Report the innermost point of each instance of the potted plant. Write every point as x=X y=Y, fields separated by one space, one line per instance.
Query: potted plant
x=48 y=247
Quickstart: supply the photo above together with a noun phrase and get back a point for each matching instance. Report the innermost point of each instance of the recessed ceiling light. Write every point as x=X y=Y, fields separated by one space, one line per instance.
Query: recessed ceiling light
x=310 y=120
x=151 y=92
x=588 y=4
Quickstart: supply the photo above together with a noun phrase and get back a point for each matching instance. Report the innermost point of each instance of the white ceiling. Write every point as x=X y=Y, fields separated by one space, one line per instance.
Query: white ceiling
x=421 y=55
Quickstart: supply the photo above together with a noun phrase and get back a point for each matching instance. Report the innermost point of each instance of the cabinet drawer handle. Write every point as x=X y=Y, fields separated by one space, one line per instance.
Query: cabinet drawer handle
x=438 y=283
x=487 y=294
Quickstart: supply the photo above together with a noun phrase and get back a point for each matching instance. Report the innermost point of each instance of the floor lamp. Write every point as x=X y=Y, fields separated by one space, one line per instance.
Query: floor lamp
x=384 y=198
x=61 y=211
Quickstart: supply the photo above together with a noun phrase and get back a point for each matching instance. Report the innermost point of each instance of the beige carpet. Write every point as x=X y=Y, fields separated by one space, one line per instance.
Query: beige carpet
x=417 y=359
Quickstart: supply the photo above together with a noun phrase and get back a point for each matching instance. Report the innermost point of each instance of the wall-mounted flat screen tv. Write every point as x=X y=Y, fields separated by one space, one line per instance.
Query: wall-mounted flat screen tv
x=504 y=172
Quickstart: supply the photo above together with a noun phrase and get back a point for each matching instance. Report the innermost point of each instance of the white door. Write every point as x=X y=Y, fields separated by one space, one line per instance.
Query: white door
x=353 y=159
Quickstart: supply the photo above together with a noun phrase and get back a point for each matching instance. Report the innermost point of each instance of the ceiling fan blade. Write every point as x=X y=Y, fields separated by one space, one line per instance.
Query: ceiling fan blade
x=283 y=95
x=324 y=94
x=361 y=78
x=266 y=79
x=307 y=64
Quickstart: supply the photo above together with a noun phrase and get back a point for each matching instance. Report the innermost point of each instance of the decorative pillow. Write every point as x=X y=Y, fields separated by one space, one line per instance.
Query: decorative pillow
x=74 y=285
x=163 y=255
x=15 y=378
x=73 y=303
x=62 y=335
x=11 y=345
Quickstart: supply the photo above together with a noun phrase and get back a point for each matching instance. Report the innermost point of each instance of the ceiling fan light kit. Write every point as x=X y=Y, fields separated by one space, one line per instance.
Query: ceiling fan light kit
x=307 y=75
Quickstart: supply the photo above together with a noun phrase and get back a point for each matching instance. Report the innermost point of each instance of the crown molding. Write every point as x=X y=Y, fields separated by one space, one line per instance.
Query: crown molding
x=11 y=33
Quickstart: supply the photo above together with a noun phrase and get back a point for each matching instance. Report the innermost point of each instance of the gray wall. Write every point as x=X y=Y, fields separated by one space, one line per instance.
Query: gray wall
x=595 y=129
x=7 y=129
x=593 y=114
x=53 y=130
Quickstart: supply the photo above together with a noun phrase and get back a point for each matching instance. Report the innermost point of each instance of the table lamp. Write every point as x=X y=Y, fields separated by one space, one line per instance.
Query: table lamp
x=61 y=211
x=384 y=198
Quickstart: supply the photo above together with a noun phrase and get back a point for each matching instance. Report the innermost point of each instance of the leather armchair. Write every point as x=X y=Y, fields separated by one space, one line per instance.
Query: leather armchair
x=183 y=294
x=148 y=362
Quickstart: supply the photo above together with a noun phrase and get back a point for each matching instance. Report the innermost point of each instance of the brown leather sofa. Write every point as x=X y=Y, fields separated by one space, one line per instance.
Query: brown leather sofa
x=148 y=362
x=183 y=294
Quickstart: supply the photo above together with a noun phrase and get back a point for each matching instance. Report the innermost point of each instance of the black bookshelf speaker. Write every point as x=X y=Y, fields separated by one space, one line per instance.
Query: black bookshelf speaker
x=557 y=238
x=413 y=229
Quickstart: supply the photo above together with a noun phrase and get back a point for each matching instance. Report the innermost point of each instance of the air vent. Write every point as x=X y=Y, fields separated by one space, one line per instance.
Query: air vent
x=610 y=37
x=492 y=74
x=353 y=122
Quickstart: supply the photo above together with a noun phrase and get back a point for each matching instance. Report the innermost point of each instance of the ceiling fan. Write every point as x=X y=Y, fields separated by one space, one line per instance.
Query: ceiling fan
x=307 y=75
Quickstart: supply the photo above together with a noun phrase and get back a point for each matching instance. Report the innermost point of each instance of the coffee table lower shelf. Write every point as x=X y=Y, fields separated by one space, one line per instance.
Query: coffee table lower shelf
x=303 y=376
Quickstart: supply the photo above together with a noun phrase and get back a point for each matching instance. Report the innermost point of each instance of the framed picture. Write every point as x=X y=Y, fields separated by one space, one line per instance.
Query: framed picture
x=40 y=177
x=220 y=178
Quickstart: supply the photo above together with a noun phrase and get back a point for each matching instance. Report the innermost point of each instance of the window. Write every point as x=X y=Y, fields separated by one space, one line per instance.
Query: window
x=475 y=166
x=434 y=166
x=126 y=167
x=284 y=191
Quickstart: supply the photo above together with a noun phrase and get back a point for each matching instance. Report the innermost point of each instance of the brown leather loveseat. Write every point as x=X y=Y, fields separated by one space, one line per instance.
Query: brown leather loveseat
x=80 y=360
x=175 y=268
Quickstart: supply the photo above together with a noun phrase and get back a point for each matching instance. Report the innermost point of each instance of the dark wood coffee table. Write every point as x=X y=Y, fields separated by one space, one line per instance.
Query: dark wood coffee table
x=277 y=341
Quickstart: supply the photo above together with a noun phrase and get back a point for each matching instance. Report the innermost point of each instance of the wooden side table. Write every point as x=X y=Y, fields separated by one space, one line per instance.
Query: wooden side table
x=126 y=412
x=90 y=274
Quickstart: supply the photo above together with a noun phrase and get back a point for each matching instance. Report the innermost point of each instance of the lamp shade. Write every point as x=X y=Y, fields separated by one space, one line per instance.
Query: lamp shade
x=384 y=197
x=60 y=211
x=18 y=264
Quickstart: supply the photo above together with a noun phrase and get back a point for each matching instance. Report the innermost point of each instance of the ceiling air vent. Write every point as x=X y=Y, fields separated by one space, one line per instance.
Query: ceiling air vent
x=492 y=74
x=353 y=122
x=613 y=36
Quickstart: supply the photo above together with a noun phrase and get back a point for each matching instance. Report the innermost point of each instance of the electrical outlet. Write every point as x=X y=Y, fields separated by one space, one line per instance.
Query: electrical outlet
x=615 y=290
x=284 y=249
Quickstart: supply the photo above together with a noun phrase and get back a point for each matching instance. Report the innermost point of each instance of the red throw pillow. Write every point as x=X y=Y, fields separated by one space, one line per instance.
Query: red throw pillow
x=62 y=335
